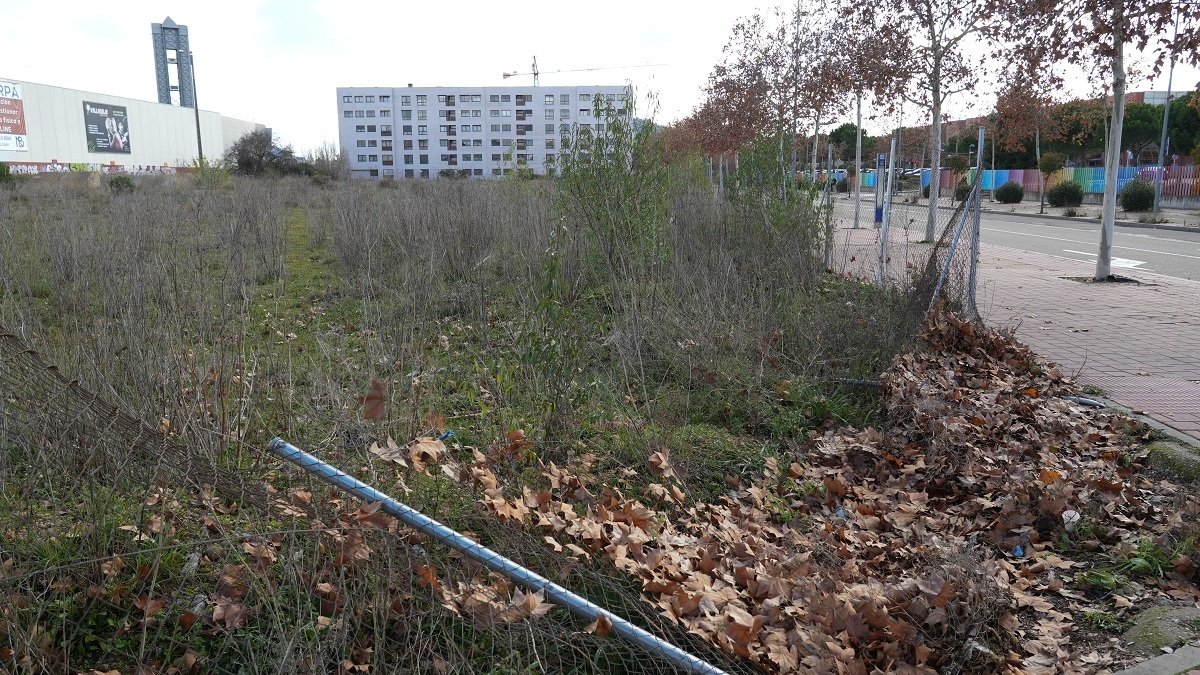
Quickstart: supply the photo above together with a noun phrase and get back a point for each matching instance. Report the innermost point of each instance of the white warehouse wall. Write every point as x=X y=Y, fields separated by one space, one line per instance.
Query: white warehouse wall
x=159 y=135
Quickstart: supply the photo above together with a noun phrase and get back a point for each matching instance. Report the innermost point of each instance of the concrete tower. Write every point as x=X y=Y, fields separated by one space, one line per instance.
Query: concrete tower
x=173 y=63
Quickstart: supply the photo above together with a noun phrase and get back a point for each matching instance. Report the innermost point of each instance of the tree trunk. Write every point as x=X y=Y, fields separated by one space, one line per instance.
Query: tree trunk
x=935 y=162
x=1112 y=157
x=1037 y=151
x=858 y=163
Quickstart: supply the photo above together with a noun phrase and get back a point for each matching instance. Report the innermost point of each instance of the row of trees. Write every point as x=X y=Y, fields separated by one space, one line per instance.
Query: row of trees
x=258 y=153
x=785 y=72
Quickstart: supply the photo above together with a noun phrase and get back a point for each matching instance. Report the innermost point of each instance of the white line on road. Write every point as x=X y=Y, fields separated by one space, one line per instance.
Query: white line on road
x=1076 y=241
x=1116 y=262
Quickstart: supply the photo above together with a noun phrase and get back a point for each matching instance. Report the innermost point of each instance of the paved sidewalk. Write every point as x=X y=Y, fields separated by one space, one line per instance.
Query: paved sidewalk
x=1140 y=343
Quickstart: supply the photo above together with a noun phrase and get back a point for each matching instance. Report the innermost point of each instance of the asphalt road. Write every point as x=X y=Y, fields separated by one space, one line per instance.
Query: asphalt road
x=1175 y=254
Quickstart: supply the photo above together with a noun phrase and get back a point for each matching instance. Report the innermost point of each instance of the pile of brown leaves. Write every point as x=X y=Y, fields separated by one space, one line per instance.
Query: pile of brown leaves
x=924 y=548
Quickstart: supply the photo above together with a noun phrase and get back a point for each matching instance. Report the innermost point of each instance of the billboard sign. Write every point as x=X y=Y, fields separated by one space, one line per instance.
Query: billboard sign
x=13 y=136
x=107 y=127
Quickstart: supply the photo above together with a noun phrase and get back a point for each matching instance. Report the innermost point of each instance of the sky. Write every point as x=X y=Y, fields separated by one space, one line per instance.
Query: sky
x=279 y=62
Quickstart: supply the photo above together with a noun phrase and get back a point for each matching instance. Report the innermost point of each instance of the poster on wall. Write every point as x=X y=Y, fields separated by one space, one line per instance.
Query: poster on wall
x=12 y=118
x=107 y=127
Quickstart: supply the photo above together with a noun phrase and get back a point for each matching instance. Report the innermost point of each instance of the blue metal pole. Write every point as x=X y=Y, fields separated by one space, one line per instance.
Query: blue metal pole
x=490 y=559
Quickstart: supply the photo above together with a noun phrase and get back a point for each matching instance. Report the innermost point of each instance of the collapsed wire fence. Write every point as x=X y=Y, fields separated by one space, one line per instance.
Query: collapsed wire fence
x=169 y=563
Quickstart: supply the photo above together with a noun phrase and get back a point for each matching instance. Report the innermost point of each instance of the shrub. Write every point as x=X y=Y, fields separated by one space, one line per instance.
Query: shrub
x=1010 y=193
x=6 y=177
x=961 y=190
x=120 y=185
x=1137 y=195
x=1066 y=193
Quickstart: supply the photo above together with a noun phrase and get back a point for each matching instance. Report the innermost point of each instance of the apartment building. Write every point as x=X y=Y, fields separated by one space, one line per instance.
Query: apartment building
x=481 y=132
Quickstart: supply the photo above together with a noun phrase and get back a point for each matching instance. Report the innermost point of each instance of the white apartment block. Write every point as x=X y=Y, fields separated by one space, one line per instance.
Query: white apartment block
x=427 y=132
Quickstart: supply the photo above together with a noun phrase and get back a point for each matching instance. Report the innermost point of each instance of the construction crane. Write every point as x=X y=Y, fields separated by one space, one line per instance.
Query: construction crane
x=535 y=72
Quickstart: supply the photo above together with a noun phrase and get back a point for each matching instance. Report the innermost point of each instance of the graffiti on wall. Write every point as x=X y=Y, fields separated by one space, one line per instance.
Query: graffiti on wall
x=33 y=168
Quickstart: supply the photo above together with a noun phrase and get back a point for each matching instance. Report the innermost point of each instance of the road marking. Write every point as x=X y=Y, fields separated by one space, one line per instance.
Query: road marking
x=1088 y=243
x=1116 y=262
x=1083 y=228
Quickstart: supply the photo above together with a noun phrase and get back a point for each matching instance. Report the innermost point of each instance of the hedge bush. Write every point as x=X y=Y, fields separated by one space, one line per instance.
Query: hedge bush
x=1066 y=193
x=1137 y=195
x=121 y=185
x=1010 y=193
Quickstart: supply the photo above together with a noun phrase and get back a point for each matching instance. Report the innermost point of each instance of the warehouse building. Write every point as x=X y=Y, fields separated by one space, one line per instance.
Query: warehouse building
x=47 y=129
x=426 y=132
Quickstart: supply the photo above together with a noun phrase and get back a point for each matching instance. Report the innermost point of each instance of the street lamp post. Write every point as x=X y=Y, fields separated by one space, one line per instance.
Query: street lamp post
x=196 y=107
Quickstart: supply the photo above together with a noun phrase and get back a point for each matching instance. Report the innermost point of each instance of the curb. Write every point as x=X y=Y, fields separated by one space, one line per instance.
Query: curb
x=1179 y=661
x=1119 y=223
x=1176 y=434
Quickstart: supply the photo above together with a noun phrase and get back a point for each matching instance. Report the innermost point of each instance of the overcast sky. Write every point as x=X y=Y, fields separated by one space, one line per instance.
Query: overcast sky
x=278 y=62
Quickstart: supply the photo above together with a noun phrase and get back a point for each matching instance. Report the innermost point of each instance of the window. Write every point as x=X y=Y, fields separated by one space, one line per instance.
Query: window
x=620 y=112
x=360 y=128
x=387 y=145
x=370 y=99
x=444 y=143
x=585 y=97
x=407 y=129
x=385 y=113
x=496 y=157
x=505 y=98
x=495 y=142
x=599 y=128
x=564 y=99
x=476 y=113
x=495 y=127
x=494 y=98
x=506 y=142
x=389 y=172
x=478 y=172
x=358 y=113
x=564 y=114
x=407 y=144
x=372 y=143
x=372 y=158
x=442 y=113
x=441 y=98
x=348 y=113
x=495 y=172
x=371 y=128
x=494 y=112
x=423 y=159
x=476 y=98
x=550 y=157
x=406 y=114
x=564 y=129
x=549 y=99
x=506 y=113
x=476 y=127
x=610 y=97
x=424 y=173
x=374 y=173
x=387 y=160
x=408 y=173
x=585 y=127
x=505 y=127
x=441 y=128
x=420 y=99
x=585 y=112
x=370 y=113
x=362 y=158
x=405 y=100
x=408 y=159
x=362 y=143
x=422 y=130
x=549 y=128
x=385 y=99
x=347 y=99
x=422 y=115
x=358 y=99
x=384 y=129
x=423 y=144
x=549 y=113
x=549 y=143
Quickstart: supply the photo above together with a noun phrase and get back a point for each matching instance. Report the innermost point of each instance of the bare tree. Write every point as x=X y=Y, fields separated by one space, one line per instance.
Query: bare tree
x=330 y=160
x=938 y=33
x=1093 y=34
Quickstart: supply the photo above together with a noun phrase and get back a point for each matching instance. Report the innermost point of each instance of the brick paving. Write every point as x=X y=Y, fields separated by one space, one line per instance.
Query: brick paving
x=1140 y=343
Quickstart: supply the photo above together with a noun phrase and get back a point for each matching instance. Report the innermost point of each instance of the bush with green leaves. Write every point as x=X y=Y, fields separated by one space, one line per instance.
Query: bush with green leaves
x=120 y=185
x=6 y=177
x=1066 y=193
x=1010 y=193
x=1137 y=195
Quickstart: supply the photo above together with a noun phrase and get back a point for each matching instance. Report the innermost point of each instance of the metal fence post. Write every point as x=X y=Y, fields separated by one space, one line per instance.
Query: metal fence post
x=887 y=210
x=972 y=311
x=490 y=559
